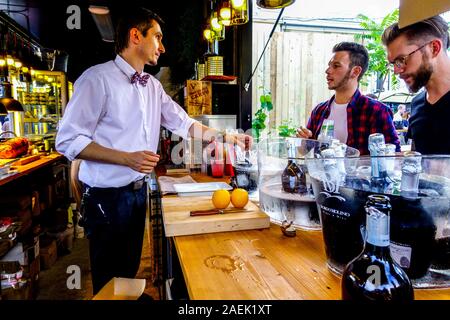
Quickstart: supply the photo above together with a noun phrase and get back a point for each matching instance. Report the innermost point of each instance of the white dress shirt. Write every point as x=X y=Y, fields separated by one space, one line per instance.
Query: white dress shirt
x=107 y=109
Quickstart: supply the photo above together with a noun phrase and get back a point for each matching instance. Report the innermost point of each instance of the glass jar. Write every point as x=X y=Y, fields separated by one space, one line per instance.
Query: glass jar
x=298 y=207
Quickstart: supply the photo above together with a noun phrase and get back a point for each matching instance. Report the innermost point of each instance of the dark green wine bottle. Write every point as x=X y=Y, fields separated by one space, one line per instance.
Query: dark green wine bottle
x=373 y=275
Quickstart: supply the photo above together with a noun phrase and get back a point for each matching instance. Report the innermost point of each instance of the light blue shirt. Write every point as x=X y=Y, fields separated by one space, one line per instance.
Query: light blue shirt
x=108 y=109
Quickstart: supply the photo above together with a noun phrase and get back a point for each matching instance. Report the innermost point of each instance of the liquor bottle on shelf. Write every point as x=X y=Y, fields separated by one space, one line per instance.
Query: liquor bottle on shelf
x=373 y=275
x=293 y=178
x=380 y=182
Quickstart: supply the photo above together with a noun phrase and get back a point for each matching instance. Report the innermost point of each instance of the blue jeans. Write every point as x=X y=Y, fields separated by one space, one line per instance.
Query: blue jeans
x=114 y=221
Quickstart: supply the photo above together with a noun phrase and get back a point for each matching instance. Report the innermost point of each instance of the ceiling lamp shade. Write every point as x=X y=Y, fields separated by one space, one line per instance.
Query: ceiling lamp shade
x=11 y=104
x=239 y=12
x=7 y=100
x=102 y=19
x=274 y=4
x=3 y=110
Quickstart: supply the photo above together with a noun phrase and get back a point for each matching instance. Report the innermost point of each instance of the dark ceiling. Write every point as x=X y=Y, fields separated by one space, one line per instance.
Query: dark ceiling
x=47 y=22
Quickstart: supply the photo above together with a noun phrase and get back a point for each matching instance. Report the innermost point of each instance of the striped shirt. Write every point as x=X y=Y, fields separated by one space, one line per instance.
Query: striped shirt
x=364 y=117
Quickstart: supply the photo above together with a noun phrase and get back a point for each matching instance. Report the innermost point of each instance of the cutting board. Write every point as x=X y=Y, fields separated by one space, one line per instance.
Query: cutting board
x=178 y=222
x=26 y=160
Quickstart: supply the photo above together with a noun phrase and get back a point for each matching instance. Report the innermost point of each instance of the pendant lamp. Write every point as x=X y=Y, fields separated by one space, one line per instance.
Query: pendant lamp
x=274 y=4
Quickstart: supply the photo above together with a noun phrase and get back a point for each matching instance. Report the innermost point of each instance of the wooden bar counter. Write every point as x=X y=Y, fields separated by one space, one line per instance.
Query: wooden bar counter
x=262 y=264
x=21 y=170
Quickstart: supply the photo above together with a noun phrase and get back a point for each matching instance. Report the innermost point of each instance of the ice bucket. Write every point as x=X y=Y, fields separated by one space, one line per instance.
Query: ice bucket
x=297 y=208
x=419 y=225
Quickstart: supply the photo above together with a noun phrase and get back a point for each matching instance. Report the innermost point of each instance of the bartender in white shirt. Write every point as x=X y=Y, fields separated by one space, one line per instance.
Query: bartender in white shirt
x=112 y=122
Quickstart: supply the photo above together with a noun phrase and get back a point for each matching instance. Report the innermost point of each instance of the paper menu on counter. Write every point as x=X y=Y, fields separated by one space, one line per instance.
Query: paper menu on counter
x=167 y=183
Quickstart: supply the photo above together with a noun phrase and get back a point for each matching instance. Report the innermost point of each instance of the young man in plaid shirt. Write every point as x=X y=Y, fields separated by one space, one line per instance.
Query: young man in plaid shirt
x=355 y=116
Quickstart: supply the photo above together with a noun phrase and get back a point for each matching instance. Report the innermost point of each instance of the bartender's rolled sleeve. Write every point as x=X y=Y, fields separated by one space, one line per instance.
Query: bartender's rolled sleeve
x=81 y=115
x=76 y=147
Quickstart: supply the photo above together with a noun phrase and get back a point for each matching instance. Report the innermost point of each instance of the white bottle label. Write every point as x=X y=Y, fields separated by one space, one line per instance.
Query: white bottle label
x=401 y=254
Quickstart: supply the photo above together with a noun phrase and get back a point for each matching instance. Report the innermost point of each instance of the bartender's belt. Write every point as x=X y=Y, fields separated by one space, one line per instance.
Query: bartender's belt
x=136 y=185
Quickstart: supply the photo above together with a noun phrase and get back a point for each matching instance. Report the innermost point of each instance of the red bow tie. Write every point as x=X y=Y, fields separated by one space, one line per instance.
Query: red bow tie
x=141 y=79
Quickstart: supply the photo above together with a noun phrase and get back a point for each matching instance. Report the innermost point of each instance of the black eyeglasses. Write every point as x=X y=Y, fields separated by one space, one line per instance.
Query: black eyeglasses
x=401 y=62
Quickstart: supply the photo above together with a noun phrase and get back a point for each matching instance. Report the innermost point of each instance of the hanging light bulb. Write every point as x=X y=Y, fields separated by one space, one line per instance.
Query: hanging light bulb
x=238 y=3
x=207 y=34
x=225 y=13
x=239 y=12
x=217 y=27
x=9 y=61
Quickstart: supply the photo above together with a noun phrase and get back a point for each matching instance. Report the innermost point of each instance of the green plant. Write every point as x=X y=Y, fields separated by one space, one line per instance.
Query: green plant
x=259 y=120
x=371 y=38
x=287 y=129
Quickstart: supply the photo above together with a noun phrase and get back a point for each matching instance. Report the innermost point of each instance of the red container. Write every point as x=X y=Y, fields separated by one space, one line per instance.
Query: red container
x=217 y=168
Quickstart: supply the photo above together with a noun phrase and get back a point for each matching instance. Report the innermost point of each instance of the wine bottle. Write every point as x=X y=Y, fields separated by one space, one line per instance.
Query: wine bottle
x=293 y=178
x=373 y=275
x=326 y=134
x=413 y=230
x=411 y=168
x=380 y=181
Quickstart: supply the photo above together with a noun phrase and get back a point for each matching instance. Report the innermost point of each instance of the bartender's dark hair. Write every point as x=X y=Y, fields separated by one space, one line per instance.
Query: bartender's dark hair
x=358 y=55
x=419 y=32
x=138 y=17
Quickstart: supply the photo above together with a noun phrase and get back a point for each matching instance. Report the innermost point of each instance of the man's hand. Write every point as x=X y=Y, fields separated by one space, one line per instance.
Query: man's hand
x=303 y=132
x=142 y=161
x=200 y=131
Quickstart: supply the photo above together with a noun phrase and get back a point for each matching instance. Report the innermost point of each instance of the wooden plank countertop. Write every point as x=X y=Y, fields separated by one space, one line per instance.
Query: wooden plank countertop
x=263 y=265
x=21 y=170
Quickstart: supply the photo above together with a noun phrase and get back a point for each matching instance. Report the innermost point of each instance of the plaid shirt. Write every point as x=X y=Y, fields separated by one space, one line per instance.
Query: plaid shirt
x=364 y=117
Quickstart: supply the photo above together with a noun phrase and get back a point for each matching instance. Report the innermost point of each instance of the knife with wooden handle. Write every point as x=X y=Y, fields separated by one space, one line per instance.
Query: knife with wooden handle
x=215 y=211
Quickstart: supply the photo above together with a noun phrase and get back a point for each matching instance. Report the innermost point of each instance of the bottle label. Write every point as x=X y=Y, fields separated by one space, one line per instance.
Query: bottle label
x=401 y=254
x=377 y=227
x=338 y=214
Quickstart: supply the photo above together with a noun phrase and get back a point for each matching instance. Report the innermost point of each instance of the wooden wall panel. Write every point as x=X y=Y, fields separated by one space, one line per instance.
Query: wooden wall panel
x=293 y=70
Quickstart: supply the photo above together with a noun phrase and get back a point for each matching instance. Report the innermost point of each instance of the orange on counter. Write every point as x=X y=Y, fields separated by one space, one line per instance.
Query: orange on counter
x=221 y=199
x=239 y=197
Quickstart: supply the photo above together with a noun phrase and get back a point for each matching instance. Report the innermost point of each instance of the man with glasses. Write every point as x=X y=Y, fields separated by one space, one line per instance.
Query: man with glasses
x=355 y=115
x=418 y=54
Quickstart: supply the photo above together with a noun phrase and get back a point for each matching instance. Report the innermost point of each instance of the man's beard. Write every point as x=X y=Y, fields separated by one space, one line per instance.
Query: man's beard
x=422 y=76
x=341 y=83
